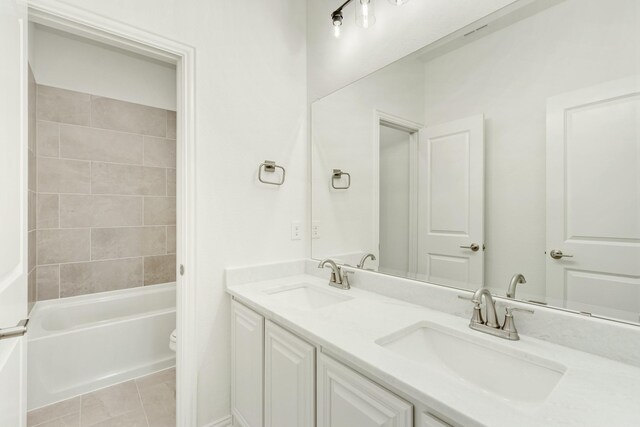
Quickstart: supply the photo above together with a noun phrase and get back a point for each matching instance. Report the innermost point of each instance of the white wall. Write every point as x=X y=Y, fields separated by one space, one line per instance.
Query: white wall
x=250 y=106
x=334 y=63
x=509 y=75
x=342 y=138
x=68 y=62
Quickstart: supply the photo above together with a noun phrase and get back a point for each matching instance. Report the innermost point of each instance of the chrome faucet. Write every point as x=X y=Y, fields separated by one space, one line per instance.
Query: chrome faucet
x=338 y=279
x=364 y=259
x=490 y=310
x=515 y=280
x=491 y=326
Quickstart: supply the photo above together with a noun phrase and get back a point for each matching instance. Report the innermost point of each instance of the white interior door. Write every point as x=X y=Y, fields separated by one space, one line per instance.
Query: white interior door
x=451 y=203
x=13 y=208
x=593 y=199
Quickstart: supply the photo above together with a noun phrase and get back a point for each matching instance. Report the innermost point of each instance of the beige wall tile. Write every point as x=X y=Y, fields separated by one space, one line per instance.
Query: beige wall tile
x=75 y=211
x=159 y=152
x=171 y=239
x=77 y=142
x=52 y=412
x=64 y=106
x=65 y=245
x=100 y=211
x=48 y=139
x=110 y=211
x=171 y=125
x=112 y=114
x=159 y=269
x=47 y=211
x=31 y=210
x=100 y=276
x=63 y=176
x=110 y=243
x=110 y=178
x=159 y=210
x=32 y=249
x=47 y=282
x=171 y=182
x=32 y=171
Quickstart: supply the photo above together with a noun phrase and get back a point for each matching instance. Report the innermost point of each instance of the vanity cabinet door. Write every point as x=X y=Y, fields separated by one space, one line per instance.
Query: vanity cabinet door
x=429 y=420
x=347 y=399
x=247 y=344
x=289 y=365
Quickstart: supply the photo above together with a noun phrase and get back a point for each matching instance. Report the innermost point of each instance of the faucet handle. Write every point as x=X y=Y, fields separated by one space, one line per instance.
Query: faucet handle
x=509 y=325
x=509 y=310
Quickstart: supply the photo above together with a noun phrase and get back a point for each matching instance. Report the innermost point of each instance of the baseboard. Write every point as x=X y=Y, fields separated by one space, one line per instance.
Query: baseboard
x=222 y=422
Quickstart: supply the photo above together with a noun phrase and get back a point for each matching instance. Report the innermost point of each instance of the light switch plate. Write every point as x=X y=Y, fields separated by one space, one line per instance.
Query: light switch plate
x=315 y=230
x=296 y=230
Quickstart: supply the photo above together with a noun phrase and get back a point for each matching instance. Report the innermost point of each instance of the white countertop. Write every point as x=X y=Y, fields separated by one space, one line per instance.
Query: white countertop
x=593 y=391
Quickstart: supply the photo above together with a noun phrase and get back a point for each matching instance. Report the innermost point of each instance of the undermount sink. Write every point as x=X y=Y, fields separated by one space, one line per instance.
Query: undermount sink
x=497 y=369
x=306 y=296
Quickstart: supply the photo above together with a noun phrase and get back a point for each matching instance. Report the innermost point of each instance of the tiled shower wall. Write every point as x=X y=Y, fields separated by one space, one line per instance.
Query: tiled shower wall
x=106 y=194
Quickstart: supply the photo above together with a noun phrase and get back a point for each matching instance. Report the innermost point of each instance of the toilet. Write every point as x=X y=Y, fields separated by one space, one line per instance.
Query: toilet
x=172 y=340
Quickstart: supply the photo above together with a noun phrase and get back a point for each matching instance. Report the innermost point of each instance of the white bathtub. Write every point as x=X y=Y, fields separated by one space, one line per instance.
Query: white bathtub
x=84 y=343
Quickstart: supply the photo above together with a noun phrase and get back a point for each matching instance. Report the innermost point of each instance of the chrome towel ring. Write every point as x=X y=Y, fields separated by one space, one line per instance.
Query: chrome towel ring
x=269 y=166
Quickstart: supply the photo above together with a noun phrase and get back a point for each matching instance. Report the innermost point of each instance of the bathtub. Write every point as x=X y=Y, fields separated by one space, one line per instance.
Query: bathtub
x=80 y=344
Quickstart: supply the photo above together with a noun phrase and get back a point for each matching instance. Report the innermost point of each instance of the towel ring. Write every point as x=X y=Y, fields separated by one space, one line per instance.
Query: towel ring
x=269 y=167
x=337 y=174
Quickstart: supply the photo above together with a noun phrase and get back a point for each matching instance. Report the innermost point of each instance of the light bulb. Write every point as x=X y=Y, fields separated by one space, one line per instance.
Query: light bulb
x=398 y=2
x=365 y=15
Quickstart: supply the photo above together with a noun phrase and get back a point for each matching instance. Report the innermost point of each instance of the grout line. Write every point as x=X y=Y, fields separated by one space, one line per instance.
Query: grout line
x=71 y=159
x=105 y=129
x=105 y=194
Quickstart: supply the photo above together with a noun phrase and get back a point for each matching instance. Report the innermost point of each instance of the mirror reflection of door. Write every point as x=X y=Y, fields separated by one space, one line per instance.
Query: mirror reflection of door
x=593 y=204
x=451 y=203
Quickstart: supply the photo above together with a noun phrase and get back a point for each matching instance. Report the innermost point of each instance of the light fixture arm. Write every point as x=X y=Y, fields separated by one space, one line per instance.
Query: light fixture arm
x=339 y=10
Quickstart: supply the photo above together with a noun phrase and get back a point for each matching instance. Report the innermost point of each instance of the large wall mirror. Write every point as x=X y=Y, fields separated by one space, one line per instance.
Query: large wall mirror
x=507 y=152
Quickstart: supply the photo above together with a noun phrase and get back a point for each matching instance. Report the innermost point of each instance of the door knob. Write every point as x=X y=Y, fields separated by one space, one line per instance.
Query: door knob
x=474 y=247
x=557 y=254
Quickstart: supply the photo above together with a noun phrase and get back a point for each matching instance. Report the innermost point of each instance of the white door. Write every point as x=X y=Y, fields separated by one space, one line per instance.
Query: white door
x=593 y=199
x=451 y=203
x=289 y=379
x=13 y=208
x=247 y=346
x=347 y=399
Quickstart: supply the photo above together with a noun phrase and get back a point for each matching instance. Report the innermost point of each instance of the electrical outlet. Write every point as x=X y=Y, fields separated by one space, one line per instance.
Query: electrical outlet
x=296 y=230
x=315 y=230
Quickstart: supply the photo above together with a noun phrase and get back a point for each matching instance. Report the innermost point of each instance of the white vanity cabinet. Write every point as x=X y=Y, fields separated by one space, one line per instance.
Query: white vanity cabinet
x=247 y=357
x=289 y=379
x=280 y=380
x=347 y=399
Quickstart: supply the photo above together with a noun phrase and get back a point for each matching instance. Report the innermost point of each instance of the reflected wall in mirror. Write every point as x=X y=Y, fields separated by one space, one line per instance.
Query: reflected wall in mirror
x=511 y=149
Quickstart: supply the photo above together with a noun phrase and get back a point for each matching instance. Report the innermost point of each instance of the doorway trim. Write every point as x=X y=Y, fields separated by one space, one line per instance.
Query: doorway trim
x=71 y=19
x=381 y=118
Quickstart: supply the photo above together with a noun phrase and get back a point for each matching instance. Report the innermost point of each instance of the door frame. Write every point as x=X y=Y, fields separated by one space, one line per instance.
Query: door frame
x=62 y=16
x=381 y=118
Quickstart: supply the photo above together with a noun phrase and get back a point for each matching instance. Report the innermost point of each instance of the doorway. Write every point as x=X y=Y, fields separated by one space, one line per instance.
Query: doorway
x=15 y=282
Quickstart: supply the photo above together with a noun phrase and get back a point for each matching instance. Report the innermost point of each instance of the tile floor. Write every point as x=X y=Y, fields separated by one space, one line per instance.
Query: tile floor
x=144 y=402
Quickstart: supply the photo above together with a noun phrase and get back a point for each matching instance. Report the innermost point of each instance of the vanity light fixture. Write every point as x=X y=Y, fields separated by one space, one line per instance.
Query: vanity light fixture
x=365 y=14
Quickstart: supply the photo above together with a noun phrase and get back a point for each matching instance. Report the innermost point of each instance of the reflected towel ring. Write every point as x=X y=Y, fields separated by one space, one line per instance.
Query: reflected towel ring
x=337 y=175
x=270 y=167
